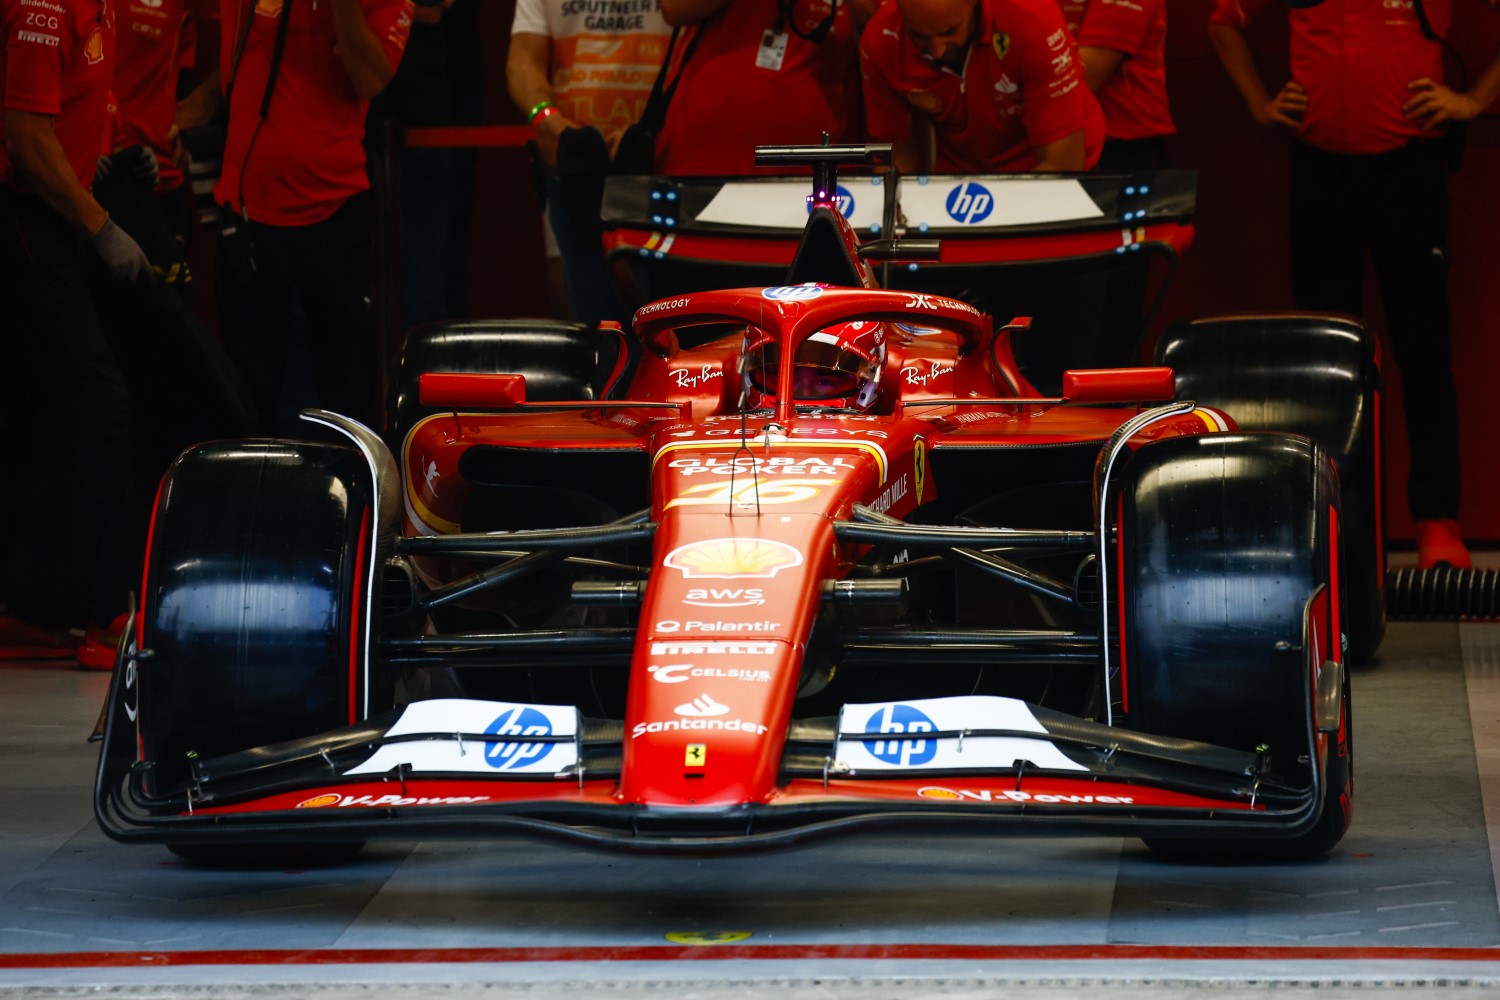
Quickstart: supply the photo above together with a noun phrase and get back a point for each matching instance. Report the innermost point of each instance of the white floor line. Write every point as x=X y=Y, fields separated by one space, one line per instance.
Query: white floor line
x=1480 y=645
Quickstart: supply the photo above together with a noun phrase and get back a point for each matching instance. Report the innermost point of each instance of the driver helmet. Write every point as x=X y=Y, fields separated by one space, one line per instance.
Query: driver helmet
x=839 y=367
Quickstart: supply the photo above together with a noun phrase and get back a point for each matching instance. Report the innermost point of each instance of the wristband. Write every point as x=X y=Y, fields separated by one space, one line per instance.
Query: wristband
x=543 y=115
x=536 y=111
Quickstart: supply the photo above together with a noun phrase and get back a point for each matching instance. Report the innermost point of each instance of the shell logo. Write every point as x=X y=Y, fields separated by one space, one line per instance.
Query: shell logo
x=936 y=792
x=318 y=801
x=93 y=49
x=733 y=558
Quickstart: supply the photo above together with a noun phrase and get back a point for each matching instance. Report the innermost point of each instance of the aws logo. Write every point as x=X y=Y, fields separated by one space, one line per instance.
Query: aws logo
x=725 y=597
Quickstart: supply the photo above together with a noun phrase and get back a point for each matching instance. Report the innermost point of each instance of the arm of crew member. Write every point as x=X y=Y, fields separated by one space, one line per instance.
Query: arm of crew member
x=360 y=50
x=1099 y=65
x=33 y=148
x=1286 y=108
x=681 y=12
x=527 y=69
x=200 y=106
x=1068 y=153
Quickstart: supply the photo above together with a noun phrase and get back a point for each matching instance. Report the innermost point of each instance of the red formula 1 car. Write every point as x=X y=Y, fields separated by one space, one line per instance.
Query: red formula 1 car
x=783 y=561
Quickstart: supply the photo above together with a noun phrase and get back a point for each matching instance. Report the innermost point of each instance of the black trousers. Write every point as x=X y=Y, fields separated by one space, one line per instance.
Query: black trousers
x=1395 y=205
x=67 y=440
x=328 y=267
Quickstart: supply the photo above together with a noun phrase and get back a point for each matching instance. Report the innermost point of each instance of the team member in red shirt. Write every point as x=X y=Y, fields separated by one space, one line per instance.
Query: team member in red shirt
x=1368 y=172
x=145 y=87
x=1123 y=47
x=61 y=383
x=999 y=80
x=294 y=187
x=762 y=72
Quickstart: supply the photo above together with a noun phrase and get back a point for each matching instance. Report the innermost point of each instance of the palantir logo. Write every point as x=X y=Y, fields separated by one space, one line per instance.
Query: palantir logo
x=519 y=721
x=905 y=720
x=845 y=199
x=970 y=203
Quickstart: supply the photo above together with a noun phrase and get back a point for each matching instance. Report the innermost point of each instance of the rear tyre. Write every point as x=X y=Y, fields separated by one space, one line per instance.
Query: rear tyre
x=1223 y=540
x=1303 y=374
x=259 y=588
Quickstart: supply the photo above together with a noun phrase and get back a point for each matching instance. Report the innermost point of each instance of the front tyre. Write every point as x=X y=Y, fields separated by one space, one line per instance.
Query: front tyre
x=1228 y=562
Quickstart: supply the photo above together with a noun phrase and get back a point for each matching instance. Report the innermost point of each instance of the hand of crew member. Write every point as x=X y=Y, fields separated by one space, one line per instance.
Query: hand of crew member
x=548 y=130
x=1286 y=108
x=122 y=256
x=1435 y=103
x=101 y=169
x=147 y=168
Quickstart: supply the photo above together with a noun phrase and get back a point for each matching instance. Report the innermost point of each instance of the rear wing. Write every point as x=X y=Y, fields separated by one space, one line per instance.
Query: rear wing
x=669 y=235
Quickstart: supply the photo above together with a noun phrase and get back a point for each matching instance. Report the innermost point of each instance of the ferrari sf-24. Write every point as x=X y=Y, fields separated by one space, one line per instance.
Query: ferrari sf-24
x=778 y=562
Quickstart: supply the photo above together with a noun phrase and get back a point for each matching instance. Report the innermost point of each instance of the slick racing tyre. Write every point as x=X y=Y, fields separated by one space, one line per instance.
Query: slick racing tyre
x=1303 y=374
x=1223 y=542
x=260 y=586
x=561 y=361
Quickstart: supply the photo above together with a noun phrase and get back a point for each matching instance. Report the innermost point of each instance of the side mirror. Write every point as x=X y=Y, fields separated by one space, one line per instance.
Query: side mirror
x=1119 y=385
x=460 y=389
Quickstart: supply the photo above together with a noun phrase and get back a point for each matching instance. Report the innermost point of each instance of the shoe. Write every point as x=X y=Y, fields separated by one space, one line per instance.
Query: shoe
x=97 y=651
x=21 y=640
x=1438 y=542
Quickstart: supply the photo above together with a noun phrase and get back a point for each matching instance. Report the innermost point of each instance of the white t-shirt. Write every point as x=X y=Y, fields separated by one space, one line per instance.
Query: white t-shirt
x=605 y=55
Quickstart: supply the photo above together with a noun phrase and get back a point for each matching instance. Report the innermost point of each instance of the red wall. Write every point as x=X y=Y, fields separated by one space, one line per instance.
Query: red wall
x=1237 y=263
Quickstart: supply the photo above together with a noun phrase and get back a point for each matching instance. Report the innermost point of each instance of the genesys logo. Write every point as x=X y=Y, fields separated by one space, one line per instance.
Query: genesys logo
x=681 y=673
x=793 y=293
x=969 y=203
x=335 y=800
x=702 y=707
x=668 y=626
x=942 y=794
x=519 y=721
x=725 y=597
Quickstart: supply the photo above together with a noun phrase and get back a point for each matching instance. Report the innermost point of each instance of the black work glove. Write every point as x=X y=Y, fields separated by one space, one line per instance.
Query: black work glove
x=122 y=255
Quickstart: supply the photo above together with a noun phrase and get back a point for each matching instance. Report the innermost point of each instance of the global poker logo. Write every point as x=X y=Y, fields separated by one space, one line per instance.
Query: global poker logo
x=904 y=720
x=969 y=203
x=845 y=199
x=520 y=721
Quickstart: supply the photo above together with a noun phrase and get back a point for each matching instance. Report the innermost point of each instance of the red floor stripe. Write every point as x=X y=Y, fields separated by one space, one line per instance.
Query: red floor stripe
x=654 y=953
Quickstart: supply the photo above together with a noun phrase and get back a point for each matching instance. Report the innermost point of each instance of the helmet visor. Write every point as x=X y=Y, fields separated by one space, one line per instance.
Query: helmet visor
x=824 y=370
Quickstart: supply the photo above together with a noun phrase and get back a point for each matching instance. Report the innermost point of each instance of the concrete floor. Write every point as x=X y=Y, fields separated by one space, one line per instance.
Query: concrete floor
x=1408 y=899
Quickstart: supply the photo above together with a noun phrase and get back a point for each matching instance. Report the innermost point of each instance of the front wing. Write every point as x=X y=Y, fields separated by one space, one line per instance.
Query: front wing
x=415 y=773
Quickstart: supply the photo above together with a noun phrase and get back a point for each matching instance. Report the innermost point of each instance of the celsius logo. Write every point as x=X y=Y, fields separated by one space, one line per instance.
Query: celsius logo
x=905 y=720
x=845 y=199
x=793 y=293
x=969 y=203
x=517 y=722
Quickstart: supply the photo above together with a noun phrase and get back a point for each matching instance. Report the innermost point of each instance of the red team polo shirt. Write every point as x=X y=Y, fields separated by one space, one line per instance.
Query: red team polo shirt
x=308 y=157
x=1354 y=58
x=1022 y=87
x=146 y=79
x=1134 y=99
x=56 y=61
x=726 y=105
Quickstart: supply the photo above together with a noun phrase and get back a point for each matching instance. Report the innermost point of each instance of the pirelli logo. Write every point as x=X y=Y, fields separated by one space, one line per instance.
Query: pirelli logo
x=36 y=38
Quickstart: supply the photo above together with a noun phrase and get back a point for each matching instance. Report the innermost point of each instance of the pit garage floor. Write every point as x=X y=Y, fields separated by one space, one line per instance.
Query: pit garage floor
x=1408 y=899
